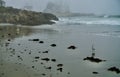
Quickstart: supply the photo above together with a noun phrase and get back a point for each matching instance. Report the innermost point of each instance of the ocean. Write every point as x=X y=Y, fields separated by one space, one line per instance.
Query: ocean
x=21 y=56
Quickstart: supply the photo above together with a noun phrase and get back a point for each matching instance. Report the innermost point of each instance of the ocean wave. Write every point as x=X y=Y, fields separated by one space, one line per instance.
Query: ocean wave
x=89 y=22
x=108 y=34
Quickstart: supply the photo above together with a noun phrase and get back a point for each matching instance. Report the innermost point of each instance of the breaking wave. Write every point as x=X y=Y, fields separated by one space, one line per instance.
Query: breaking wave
x=91 y=21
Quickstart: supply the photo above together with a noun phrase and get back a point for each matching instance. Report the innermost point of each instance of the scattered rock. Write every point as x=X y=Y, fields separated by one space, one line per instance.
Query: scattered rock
x=59 y=65
x=60 y=69
x=53 y=45
x=19 y=57
x=9 y=39
x=68 y=73
x=33 y=39
x=114 y=69
x=95 y=72
x=45 y=59
x=45 y=52
x=49 y=68
x=33 y=66
x=41 y=42
x=72 y=47
x=92 y=59
x=37 y=57
x=43 y=74
x=53 y=60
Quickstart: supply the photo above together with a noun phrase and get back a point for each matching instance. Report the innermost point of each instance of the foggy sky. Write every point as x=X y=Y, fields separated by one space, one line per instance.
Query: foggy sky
x=81 y=6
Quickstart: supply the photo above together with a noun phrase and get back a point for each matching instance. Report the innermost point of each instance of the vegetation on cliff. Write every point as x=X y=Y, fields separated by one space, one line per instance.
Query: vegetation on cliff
x=24 y=17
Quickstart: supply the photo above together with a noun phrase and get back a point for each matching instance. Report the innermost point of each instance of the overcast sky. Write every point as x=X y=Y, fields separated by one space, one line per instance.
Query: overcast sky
x=81 y=6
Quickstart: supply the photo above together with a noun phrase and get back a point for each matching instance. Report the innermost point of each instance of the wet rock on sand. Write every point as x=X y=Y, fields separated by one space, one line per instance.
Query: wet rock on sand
x=72 y=47
x=33 y=39
x=53 y=45
x=53 y=60
x=41 y=42
x=45 y=59
x=92 y=59
x=59 y=65
x=114 y=69
x=95 y=72
x=60 y=69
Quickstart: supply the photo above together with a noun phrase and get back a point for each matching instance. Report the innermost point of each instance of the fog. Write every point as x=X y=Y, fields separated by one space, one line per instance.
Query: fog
x=80 y=6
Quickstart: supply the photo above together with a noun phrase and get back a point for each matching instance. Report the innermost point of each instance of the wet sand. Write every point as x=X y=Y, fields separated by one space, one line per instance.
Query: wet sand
x=49 y=52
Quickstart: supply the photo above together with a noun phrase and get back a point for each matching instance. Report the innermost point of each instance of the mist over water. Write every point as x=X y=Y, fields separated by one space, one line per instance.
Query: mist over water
x=79 y=6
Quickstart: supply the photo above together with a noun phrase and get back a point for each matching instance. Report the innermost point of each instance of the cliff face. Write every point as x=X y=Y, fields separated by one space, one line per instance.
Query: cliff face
x=24 y=17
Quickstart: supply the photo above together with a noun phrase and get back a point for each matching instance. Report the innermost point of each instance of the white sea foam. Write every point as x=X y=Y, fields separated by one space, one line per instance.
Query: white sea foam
x=91 y=21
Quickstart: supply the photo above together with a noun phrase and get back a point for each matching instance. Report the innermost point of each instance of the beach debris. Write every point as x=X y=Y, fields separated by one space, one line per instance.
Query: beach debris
x=114 y=69
x=59 y=65
x=72 y=47
x=45 y=52
x=33 y=66
x=53 y=60
x=68 y=73
x=45 y=59
x=49 y=68
x=95 y=72
x=9 y=39
x=19 y=57
x=42 y=63
x=9 y=34
x=92 y=59
x=37 y=57
x=53 y=45
x=41 y=42
x=29 y=52
x=39 y=52
x=33 y=39
x=60 y=69
x=19 y=44
x=43 y=74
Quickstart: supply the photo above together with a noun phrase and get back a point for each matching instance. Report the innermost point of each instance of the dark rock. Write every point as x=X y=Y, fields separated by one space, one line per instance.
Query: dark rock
x=95 y=72
x=54 y=60
x=9 y=39
x=60 y=69
x=45 y=59
x=72 y=47
x=68 y=73
x=92 y=59
x=43 y=74
x=60 y=65
x=42 y=63
x=33 y=39
x=2 y=74
x=9 y=34
x=49 y=68
x=37 y=57
x=45 y=52
x=53 y=45
x=33 y=66
x=19 y=44
x=114 y=69
x=19 y=57
x=41 y=42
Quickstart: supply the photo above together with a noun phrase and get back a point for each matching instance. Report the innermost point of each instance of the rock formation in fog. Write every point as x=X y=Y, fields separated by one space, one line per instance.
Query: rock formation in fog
x=58 y=9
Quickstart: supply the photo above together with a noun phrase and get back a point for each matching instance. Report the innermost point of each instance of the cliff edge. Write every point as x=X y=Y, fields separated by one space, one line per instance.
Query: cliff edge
x=17 y=16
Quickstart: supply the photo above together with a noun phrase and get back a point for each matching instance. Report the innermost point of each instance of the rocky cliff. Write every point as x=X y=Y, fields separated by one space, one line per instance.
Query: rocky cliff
x=24 y=17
